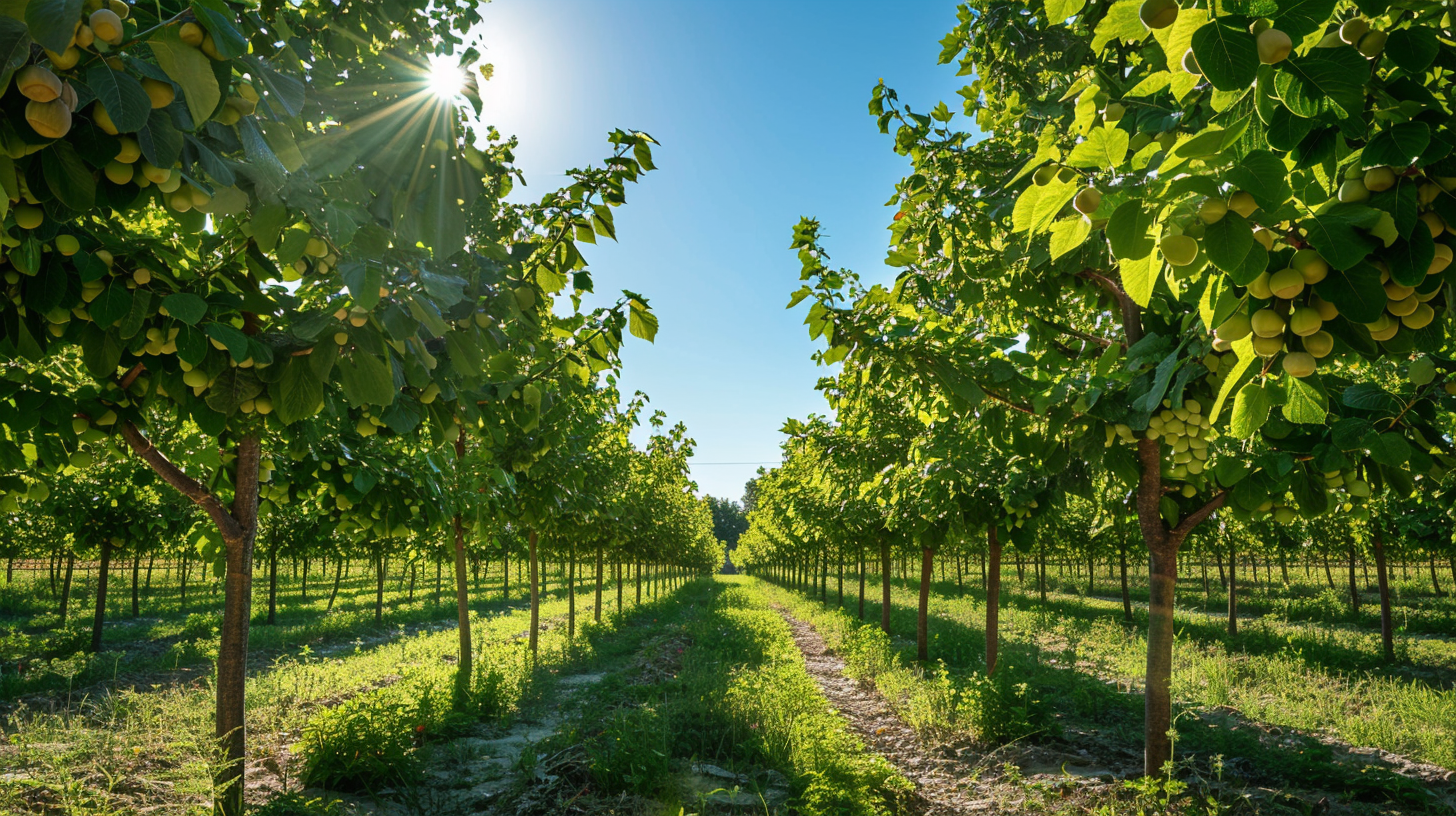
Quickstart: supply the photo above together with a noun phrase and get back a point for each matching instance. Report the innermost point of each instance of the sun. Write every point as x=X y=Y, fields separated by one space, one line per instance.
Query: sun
x=446 y=78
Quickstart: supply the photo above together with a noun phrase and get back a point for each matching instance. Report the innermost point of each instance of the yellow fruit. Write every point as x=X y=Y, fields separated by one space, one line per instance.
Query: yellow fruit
x=68 y=96
x=180 y=199
x=1379 y=179
x=172 y=183
x=365 y=427
x=1264 y=237
x=66 y=60
x=1274 y=46
x=1319 y=344
x=1268 y=346
x=263 y=405
x=28 y=217
x=1286 y=283
x=358 y=320
x=1212 y=210
x=1243 y=204
x=130 y=151
x=1441 y=261
x=119 y=172
x=1113 y=112
x=1420 y=318
x=1158 y=13
x=161 y=93
x=106 y=25
x=122 y=9
x=142 y=276
x=67 y=245
x=316 y=248
x=1353 y=29
x=209 y=47
x=192 y=34
x=1353 y=190
x=103 y=119
x=1403 y=307
x=50 y=119
x=37 y=83
x=1237 y=327
x=1299 y=364
x=1087 y=201
x=84 y=36
x=431 y=392
x=1259 y=287
x=1434 y=223
x=341 y=337
x=1327 y=310
x=1384 y=328
x=1310 y=265
x=1305 y=321
x=1045 y=175
x=1267 y=323
x=248 y=92
x=1180 y=250
x=155 y=175
x=1395 y=291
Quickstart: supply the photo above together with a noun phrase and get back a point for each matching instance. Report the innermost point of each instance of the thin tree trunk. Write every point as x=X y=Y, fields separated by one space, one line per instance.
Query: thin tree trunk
x=841 y=576
x=1435 y=580
x=1329 y=576
x=639 y=584
x=412 y=569
x=462 y=596
x=338 y=576
x=273 y=583
x=136 y=574
x=885 y=585
x=993 y=599
x=1126 y=595
x=535 y=596
x=597 y=608
x=1233 y=593
x=571 y=593
x=617 y=569
x=303 y=587
x=922 y=619
x=101 y=575
x=861 y=581
x=1387 y=625
x=182 y=603
x=380 y=563
x=66 y=586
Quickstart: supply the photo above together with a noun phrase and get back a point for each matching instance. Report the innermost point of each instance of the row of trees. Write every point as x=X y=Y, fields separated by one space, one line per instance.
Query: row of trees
x=255 y=251
x=1191 y=267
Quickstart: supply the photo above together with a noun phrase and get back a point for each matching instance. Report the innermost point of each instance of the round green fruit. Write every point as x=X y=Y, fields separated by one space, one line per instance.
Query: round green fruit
x=1180 y=250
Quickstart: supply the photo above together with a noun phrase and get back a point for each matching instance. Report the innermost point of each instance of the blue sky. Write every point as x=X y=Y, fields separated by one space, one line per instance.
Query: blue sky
x=760 y=108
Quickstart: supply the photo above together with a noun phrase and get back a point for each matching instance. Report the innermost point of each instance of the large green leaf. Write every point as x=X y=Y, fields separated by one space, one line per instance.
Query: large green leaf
x=300 y=392
x=1262 y=175
x=1413 y=49
x=1298 y=18
x=185 y=307
x=1128 y=231
x=191 y=70
x=1251 y=410
x=219 y=21
x=14 y=48
x=1356 y=292
x=68 y=176
x=232 y=388
x=1409 y=259
x=1304 y=404
x=1398 y=145
x=126 y=103
x=1104 y=147
x=1038 y=205
x=1338 y=233
x=1068 y=234
x=366 y=379
x=1140 y=276
x=1324 y=79
x=1227 y=55
x=1227 y=241
x=53 y=22
x=1120 y=23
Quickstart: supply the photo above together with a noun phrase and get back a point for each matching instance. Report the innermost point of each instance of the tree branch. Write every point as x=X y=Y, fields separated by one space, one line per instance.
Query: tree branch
x=1132 y=322
x=1186 y=525
x=186 y=485
x=1071 y=332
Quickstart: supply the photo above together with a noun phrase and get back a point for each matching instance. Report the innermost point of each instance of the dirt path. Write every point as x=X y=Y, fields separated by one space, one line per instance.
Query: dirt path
x=942 y=782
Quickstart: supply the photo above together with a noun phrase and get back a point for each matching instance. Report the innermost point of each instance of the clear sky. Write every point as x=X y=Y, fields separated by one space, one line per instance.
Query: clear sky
x=761 y=111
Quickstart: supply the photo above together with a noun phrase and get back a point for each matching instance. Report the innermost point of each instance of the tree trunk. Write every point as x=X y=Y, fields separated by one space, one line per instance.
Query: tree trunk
x=885 y=585
x=1041 y=581
x=639 y=585
x=993 y=599
x=414 y=564
x=535 y=596
x=182 y=603
x=617 y=570
x=273 y=583
x=1435 y=581
x=506 y=571
x=1387 y=625
x=597 y=607
x=136 y=583
x=1329 y=576
x=841 y=576
x=303 y=587
x=379 y=565
x=922 y=618
x=338 y=577
x=571 y=593
x=1354 y=584
x=101 y=575
x=1233 y=593
x=66 y=586
x=861 y=581
x=462 y=597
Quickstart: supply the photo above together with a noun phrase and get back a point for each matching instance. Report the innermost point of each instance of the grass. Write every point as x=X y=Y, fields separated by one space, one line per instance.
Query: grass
x=1075 y=655
x=125 y=748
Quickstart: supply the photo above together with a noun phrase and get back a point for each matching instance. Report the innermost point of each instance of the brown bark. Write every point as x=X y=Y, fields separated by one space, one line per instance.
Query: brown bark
x=1126 y=596
x=136 y=574
x=597 y=608
x=273 y=583
x=1233 y=593
x=861 y=581
x=885 y=584
x=101 y=575
x=462 y=601
x=66 y=586
x=922 y=617
x=535 y=597
x=1387 y=625
x=993 y=599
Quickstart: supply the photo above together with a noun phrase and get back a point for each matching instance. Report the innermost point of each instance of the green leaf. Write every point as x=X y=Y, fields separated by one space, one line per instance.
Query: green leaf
x=1286 y=130
x=1244 y=349
x=1037 y=206
x=231 y=339
x=1140 y=276
x=1303 y=403
x=218 y=19
x=1104 y=147
x=1338 y=233
x=641 y=321
x=1058 y=11
x=366 y=379
x=1325 y=79
x=300 y=393
x=1413 y=49
x=1227 y=242
x=1356 y=292
x=1298 y=18
x=185 y=307
x=232 y=388
x=191 y=70
x=1262 y=175
x=1228 y=56
x=1389 y=449
x=1121 y=23
x=136 y=316
x=429 y=317
x=1217 y=302
x=1251 y=411
x=294 y=242
x=14 y=49
x=68 y=176
x=1128 y=231
x=1409 y=259
x=160 y=140
x=1068 y=234
x=52 y=22
x=1398 y=146
x=100 y=352
x=110 y=306
x=126 y=103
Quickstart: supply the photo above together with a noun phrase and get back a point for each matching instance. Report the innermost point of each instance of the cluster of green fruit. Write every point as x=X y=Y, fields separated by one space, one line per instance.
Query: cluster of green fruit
x=1185 y=429
x=1018 y=515
x=1274 y=46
